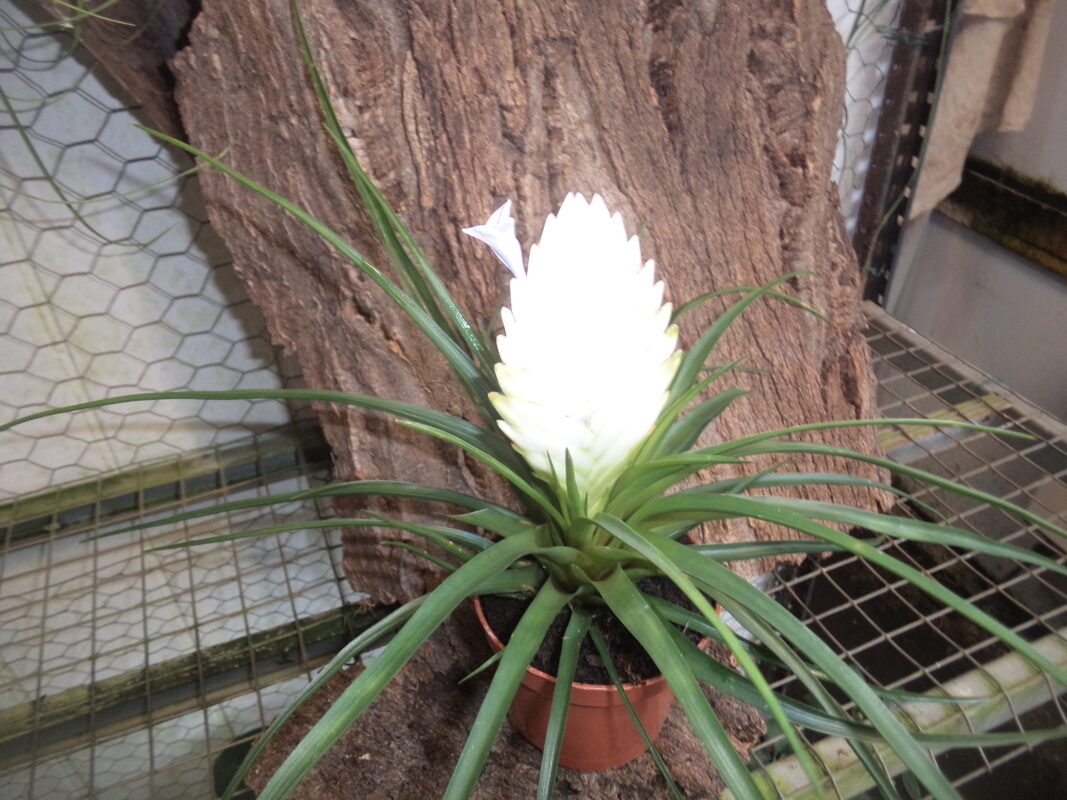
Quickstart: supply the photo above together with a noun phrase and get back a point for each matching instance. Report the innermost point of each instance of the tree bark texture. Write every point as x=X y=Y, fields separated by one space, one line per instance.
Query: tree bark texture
x=709 y=125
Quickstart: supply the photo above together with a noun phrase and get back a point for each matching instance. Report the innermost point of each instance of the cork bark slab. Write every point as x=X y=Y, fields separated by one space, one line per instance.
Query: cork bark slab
x=709 y=125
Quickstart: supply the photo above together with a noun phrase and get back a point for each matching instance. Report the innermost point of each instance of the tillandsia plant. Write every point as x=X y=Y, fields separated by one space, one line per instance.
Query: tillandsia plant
x=592 y=413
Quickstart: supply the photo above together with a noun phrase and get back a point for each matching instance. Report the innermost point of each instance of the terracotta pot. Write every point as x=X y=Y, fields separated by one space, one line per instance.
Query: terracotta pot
x=600 y=734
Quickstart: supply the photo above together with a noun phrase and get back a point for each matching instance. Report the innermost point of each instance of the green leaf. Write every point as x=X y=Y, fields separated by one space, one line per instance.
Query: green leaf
x=609 y=664
x=525 y=487
x=71 y=205
x=813 y=448
x=521 y=648
x=632 y=610
x=299 y=525
x=742 y=551
x=796 y=665
x=373 y=680
x=577 y=627
x=393 y=235
x=515 y=580
x=472 y=379
x=790 y=479
x=700 y=300
x=418 y=551
x=913 y=530
x=751 y=507
x=684 y=433
x=690 y=620
x=728 y=585
x=457 y=543
x=396 y=489
x=363 y=641
x=646 y=546
x=693 y=360
x=489 y=662
x=728 y=681
x=644 y=481
x=428 y=418
x=496 y=520
x=668 y=416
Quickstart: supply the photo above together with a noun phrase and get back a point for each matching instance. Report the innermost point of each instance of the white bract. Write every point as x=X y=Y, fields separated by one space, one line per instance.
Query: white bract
x=588 y=351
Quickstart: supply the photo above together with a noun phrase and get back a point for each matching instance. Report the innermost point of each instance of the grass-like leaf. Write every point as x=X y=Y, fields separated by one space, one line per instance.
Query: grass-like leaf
x=754 y=508
x=426 y=555
x=496 y=520
x=628 y=604
x=730 y=585
x=525 y=487
x=507 y=582
x=644 y=545
x=397 y=489
x=520 y=650
x=577 y=627
x=458 y=428
x=693 y=360
x=814 y=448
x=362 y=642
x=391 y=232
x=468 y=373
x=609 y=665
x=373 y=680
x=701 y=299
x=690 y=620
x=794 y=479
x=912 y=530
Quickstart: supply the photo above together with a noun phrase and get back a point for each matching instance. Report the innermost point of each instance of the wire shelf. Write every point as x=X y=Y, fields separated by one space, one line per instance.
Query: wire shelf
x=890 y=631
x=124 y=672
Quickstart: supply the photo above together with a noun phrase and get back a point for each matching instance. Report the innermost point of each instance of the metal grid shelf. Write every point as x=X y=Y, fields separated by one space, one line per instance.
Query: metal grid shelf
x=890 y=631
x=124 y=672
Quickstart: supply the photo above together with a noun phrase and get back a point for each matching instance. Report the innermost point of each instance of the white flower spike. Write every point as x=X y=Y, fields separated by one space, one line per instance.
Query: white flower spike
x=588 y=351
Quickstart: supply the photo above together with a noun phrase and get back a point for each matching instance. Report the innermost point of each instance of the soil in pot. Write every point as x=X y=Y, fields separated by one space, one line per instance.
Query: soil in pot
x=631 y=661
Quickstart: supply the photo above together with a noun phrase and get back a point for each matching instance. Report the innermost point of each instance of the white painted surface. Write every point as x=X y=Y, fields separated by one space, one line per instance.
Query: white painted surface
x=990 y=307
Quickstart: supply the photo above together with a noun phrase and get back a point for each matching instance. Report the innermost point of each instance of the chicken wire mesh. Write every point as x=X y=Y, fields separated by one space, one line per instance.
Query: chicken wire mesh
x=867 y=28
x=134 y=292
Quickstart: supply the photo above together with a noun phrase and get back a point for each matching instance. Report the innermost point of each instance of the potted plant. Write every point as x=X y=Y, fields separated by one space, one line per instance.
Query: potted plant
x=592 y=412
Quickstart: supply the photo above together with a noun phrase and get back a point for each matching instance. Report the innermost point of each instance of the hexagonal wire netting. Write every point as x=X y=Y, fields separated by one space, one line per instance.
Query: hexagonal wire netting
x=137 y=295
x=125 y=673
x=867 y=27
